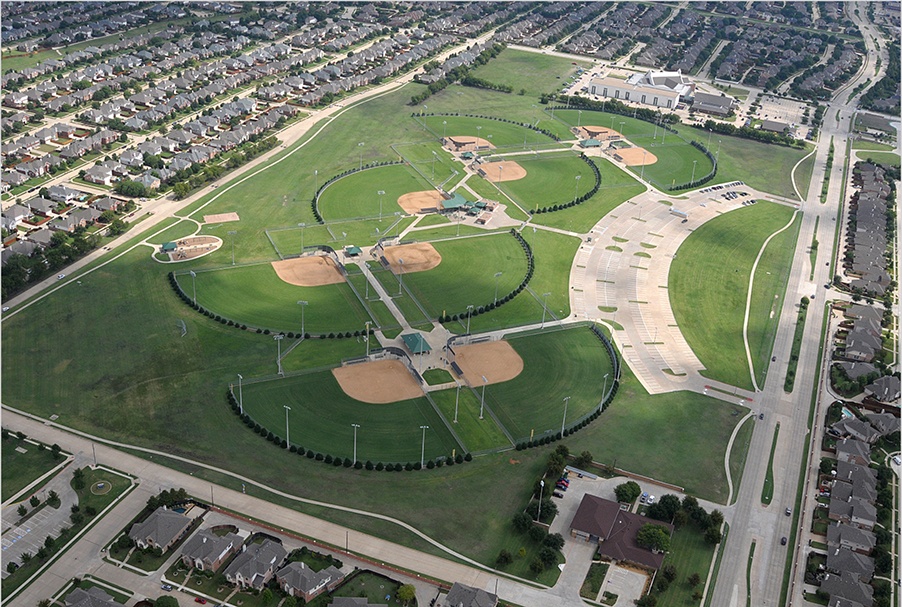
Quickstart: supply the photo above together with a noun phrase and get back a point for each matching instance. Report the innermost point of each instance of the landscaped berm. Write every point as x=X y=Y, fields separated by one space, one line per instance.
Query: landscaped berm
x=378 y=382
x=416 y=257
x=309 y=271
x=421 y=202
x=497 y=361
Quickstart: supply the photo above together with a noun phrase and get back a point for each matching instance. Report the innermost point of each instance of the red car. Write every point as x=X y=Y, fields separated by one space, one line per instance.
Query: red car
x=200 y=600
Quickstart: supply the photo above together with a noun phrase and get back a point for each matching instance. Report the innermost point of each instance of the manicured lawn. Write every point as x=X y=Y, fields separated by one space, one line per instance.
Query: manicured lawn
x=708 y=286
x=536 y=72
x=498 y=133
x=863 y=144
x=256 y=296
x=434 y=377
x=478 y=434
x=689 y=553
x=738 y=454
x=335 y=234
x=890 y=158
x=555 y=364
x=550 y=179
x=421 y=156
x=388 y=432
x=356 y=195
x=21 y=469
x=179 y=230
x=803 y=175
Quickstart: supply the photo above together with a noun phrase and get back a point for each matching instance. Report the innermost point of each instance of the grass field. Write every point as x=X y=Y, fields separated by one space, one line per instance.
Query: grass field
x=478 y=434
x=337 y=234
x=498 y=133
x=21 y=469
x=675 y=155
x=550 y=179
x=466 y=275
x=803 y=175
x=537 y=73
x=388 y=433
x=708 y=285
x=864 y=144
x=689 y=553
x=434 y=161
x=889 y=158
x=556 y=364
x=256 y=296
x=356 y=195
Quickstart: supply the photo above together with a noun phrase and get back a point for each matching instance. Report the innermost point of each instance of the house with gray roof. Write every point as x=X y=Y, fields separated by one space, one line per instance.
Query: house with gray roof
x=885 y=423
x=853 y=538
x=853 y=451
x=843 y=559
x=857 y=429
x=92 y=597
x=299 y=580
x=846 y=586
x=461 y=595
x=15 y=215
x=838 y=601
x=42 y=238
x=885 y=389
x=207 y=551
x=256 y=564
x=161 y=529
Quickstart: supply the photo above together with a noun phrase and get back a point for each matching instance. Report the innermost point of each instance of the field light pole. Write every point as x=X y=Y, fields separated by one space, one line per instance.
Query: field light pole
x=444 y=128
x=541 y=495
x=232 y=234
x=456 y=400
x=717 y=155
x=544 y=307
x=469 y=314
x=497 y=276
x=576 y=194
x=564 y=422
x=381 y=194
x=287 y=435
x=302 y=226
x=694 y=162
x=604 y=392
x=355 y=426
x=315 y=181
x=303 y=305
x=366 y=337
x=423 y=449
x=434 y=158
x=240 y=396
x=478 y=128
x=500 y=166
x=279 y=339
x=622 y=122
x=194 y=284
x=642 y=172
x=400 y=276
x=482 y=400
x=579 y=118
x=360 y=149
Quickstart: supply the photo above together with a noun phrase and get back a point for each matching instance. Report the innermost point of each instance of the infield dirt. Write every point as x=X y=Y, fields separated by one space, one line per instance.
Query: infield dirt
x=378 y=382
x=418 y=257
x=308 y=271
x=497 y=361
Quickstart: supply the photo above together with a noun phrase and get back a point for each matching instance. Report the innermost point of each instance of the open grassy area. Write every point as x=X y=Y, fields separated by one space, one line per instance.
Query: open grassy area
x=500 y=134
x=388 y=432
x=535 y=72
x=888 y=158
x=356 y=195
x=708 y=285
x=335 y=234
x=803 y=175
x=689 y=553
x=478 y=434
x=864 y=144
x=433 y=161
x=550 y=179
x=21 y=469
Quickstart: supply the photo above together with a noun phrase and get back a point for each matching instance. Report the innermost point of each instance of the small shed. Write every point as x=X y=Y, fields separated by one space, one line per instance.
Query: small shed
x=416 y=344
x=168 y=247
x=353 y=251
x=590 y=143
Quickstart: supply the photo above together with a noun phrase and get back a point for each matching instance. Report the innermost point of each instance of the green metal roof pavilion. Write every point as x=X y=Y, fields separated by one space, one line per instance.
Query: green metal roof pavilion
x=416 y=344
x=455 y=202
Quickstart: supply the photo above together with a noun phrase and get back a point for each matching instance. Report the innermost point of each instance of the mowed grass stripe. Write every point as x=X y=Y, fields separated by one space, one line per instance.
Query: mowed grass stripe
x=256 y=296
x=555 y=364
x=321 y=415
x=708 y=285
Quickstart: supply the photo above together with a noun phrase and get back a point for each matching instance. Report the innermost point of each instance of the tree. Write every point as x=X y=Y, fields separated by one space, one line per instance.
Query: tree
x=407 y=593
x=653 y=537
x=181 y=190
x=584 y=460
x=289 y=601
x=522 y=522
x=127 y=187
x=713 y=535
x=694 y=580
x=537 y=534
x=628 y=491
x=669 y=572
x=715 y=519
x=665 y=508
x=649 y=600
x=267 y=597
x=34 y=501
x=536 y=566
x=118 y=227
x=555 y=541
x=166 y=601
x=504 y=558
x=21 y=510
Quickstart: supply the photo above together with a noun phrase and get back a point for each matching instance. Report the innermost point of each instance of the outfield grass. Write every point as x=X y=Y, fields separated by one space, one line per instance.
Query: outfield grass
x=556 y=364
x=356 y=195
x=500 y=134
x=478 y=434
x=466 y=274
x=256 y=296
x=689 y=553
x=441 y=171
x=550 y=179
x=708 y=285
x=388 y=432
x=21 y=469
x=337 y=234
x=537 y=73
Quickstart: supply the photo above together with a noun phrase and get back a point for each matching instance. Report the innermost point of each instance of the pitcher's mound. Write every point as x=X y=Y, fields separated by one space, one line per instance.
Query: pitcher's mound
x=308 y=271
x=378 y=382
x=496 y=360
x=509 y=171
x=635 y=156
x=418 y=257
x=221 y=217
x=417 y=202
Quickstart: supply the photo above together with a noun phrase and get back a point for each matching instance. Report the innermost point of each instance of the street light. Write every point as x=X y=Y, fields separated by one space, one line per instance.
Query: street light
x=240 y=396
x=497 y=276
x=279 y=339
x=194 y=284
x=456 y=400
x=564 y=421
x=381 y=194
x=400 y=276
x=232 y=234
x=360 y=149
x=355 y=426
x=469 y=314
x=287 y=435
x=541 y=495
x=423 y=449
x=302 y=226
x=482 y=400
x=544 y=307
x=303 y=305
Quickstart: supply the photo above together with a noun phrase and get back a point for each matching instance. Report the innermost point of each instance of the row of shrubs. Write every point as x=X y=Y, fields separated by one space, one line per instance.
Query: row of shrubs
x=578 y=199
x=231 y=323
x=314 y=204
x=525 y=125
x=698 y=182
x=612 y=106
x=345 y=462
x=477 y=310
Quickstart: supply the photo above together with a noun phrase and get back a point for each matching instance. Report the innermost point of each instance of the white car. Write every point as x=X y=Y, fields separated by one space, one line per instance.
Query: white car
x=60 y=276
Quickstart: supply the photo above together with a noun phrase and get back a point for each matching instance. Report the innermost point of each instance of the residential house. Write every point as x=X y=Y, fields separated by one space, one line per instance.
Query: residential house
x=42 y=238
x=885 y=423
x=885 y=389
x=847 y=586
x=256 y=564
x=161 y=529
x=853 y=538
x=842 y=559
x=61 y=193
x=107 y=204
x=85 y=217
x=467 y=596
x=41 y=206
x=132 y=158
x=149 y=180
x=207 y=551
x=14 y=215
x=92 y=597
x=99 y=174
x=853 y=451
x=299 y=580
x=12 y=179
x=856 y=429
x=64 y=223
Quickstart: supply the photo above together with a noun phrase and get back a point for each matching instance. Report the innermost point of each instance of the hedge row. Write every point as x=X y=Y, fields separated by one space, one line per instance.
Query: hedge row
x=477 y=310
x=314 y=204
x=578 y=199
x=345 y=462
x=698 y=182
x=231 y=323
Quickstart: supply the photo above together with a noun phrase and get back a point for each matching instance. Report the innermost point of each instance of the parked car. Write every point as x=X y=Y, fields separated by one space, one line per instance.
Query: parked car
x=557 y=494
x=760 y=416
x=166 y=587
x=783 y=541
x=651 y=500
x=643 y=498
x=60 y=276
x=200 y=599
